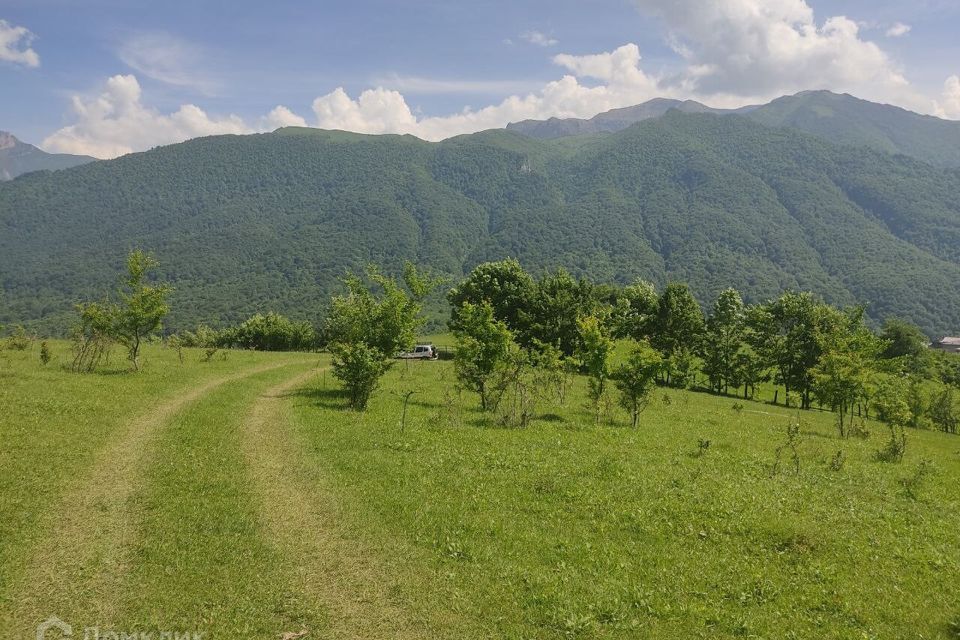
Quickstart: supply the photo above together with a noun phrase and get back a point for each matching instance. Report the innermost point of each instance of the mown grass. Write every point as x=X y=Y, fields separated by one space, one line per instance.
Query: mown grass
x=54 y=422
x=567 y=529
x=570 y=529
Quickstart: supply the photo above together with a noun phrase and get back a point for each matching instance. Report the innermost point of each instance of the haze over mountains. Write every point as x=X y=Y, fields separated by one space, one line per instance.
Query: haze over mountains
x=763 y=200
x=17 y=158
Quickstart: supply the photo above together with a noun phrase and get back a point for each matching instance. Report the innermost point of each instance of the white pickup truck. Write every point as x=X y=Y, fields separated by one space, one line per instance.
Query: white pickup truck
x=420 y=352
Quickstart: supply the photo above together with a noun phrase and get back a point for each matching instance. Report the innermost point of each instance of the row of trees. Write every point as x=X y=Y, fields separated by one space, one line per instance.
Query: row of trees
x=811 y=349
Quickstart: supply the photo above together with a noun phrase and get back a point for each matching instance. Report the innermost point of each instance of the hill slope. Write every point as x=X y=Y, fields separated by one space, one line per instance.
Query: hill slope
x=845 y=119
x=611 y=121
x=17 y=158
x=269 y=221
x=839 y=119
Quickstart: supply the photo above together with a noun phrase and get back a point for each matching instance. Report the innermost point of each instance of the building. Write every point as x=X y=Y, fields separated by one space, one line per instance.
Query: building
x=951 y=345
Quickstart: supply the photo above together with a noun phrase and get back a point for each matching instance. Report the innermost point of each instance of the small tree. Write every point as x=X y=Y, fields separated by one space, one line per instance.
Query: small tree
x=141 y=309
x=594 y=350
x=367 y=328
x=677 y=330
x=636 y=378
x=483 y=345
x=943 y=410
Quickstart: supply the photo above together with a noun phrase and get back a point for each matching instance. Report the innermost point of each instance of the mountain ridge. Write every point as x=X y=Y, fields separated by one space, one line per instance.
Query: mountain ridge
x=18 y=157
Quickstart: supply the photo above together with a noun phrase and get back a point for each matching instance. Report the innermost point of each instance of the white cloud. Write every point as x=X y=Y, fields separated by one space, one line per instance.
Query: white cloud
x=898 y=29
x=279 y=117
x=383 y=111
x=15 y=45
x=539 y=38
x=117 y=122
x=949 y=104
x=165 y=58
x=759 y=49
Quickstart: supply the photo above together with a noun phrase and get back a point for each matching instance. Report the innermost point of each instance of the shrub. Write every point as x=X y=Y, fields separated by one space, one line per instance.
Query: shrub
x=45 y=353
x=360 y=367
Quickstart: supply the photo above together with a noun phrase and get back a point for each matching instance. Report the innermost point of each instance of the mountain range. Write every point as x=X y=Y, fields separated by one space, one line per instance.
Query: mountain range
x=17 y=158
x=271 y=221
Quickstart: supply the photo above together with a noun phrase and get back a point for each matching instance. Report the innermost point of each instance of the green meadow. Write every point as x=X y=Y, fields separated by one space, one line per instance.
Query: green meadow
x=241 y=498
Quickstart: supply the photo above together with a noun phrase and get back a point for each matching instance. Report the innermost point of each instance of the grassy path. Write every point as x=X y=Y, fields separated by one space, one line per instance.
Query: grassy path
x=301 y=517
x=77 y=569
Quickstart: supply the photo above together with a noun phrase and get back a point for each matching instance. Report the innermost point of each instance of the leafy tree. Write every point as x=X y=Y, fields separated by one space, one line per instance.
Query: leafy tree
x=903 y=339
x=943 y=410
x=594 y=350
x=140 y=312
x=844 y=373
x=483 y=345
x=368 y=328
x=550 y=316
x=723 y=342
x=785 y=333
x=677 y=330
x=636 y=378
x=634 y=309
x=270 y=332
x=504 y=285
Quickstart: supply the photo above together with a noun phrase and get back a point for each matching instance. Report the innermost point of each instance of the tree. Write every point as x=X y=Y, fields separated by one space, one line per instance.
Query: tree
x=140 y=312
x=634 y=309
x=368 y=328
x=504 y=285
x=943 y=410
x=594 y=349
x=483 y=345
x=724 y=340
x=677 y=330
x=636 y=378
x=550 y=316
x=845 y=372
x=903 y=339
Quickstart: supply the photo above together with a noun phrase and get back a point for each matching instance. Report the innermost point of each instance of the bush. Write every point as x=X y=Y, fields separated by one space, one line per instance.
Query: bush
x=360 y=367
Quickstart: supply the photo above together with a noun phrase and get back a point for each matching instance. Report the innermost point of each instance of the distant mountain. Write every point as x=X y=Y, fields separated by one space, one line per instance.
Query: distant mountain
x=844 y=119
x=271 y=221
x=840 y=119
x=17 y=158
x=611 y=121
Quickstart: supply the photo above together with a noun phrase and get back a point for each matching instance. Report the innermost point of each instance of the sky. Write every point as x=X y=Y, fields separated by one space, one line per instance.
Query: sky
x=109 y=77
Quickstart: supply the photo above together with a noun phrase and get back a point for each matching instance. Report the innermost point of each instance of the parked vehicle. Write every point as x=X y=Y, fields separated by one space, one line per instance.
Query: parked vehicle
x=420 y=352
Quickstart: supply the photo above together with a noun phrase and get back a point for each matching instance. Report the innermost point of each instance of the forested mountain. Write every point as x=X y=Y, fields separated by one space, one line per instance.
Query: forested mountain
x=845 y=119
x=838 y=118
x=270 y=221
x=613 y=120
x=18 y=157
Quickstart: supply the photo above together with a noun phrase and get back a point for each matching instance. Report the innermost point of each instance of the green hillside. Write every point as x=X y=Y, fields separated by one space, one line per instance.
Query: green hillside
x=845 y=119
x=270 y=221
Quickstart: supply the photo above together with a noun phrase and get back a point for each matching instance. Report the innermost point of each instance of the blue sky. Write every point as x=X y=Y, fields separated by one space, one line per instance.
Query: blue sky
x=107 y=77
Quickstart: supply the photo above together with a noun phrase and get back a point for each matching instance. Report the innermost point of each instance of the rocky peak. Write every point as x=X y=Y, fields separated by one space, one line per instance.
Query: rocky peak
x=7 y=140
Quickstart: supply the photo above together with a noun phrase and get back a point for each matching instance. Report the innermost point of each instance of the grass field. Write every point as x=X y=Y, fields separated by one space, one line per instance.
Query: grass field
x=238 y=498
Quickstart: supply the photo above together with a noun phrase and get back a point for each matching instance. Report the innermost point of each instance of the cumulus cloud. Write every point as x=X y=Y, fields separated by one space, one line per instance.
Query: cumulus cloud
x=898 y=29
x=949 y=104
x=384 y=111
x=281 y=116
x=539 y=38
x=15 y=45
x=763 y=48
x=117 y=122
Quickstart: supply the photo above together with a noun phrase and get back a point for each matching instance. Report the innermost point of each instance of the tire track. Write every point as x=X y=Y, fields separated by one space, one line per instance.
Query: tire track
x=79 y=566
x=302 y=519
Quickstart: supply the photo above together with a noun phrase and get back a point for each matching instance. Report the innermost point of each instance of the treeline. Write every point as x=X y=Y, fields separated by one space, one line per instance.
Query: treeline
x=261 y=332
x=814 y=351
